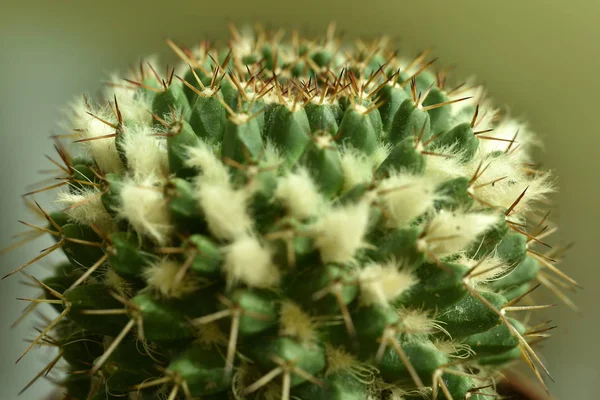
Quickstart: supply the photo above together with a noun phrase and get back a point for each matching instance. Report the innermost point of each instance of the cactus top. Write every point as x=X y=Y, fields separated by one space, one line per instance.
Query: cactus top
x=294 y=219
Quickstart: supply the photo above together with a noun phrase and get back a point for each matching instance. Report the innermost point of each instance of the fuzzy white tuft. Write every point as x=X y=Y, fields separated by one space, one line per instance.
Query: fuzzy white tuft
x=341 y=361
x=338 y=359
x=340 y=232
x=406 y=197
x=143 y=205
x=454 y=349
x=272 y=155
x=296 y=323
x=247 y=261
x=485 y=269
x=470 y=89
x=507 y=130
x=381 y=284
x=86 y=208
x=299 y=194
x=133 y=102
x=212 y=170
x=357 y=167
x=450 y=232
x=117 y=284
x=225 y=209
x=102 y=149
x=491 y=168
x=380 y=154
x=504 y=179
x=146 y=154
x=439 y=169
x=415 y=321
x=161 y=277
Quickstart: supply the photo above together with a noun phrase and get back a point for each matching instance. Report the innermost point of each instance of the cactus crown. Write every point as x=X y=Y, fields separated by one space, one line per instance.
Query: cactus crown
x=294 y=220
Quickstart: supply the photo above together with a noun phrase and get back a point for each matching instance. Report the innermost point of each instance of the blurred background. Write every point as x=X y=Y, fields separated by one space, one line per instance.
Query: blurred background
x=540 y=57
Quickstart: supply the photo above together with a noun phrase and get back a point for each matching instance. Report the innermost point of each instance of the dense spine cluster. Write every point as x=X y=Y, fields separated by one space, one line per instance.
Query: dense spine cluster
x=294 y=220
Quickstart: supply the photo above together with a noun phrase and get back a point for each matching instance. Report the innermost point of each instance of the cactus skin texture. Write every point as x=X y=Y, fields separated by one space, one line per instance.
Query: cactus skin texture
x=294 y=220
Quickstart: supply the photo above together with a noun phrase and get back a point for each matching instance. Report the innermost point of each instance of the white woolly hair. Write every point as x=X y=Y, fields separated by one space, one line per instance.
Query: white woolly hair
x=380 y=154
x=506 y=130
x=357 y=167
x=340 y=232
x=382 y=283
x=85 y=207
x=144 y=206
x=510 y=182
x=299 y=194
x=103 y=150
x=225 y=209
x=294 y=322
x=133 y=102
x=341 y=361
x=271 y=154
x=450 y=232
x=145 y=153
x=485 y=269
x=161 y=277
x=454 y=349
x=116 y=283
x=405 y=197
x=416 y=321
x=249 y=262
x=271 y=98
x=472 y=89
x=439 y=169
x=338 y=359
x=212 y=169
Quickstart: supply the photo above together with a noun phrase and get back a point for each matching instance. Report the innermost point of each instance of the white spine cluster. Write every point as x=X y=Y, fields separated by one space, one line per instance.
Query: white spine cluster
x=294 y=322
x=357 y=167
x=511 y=134
x=133 y=103
x=486 y=269
x=441 y=169
x=143 y=205
x=340 y=232
x=162 y=277
x=225 y=210
x=450 y=232
x=381 y=284
x=146 y=154
x=503 y=179
x=225 y=207
x=249 y=262
x=299 y=194
x=415 y=321
x=405 y=197
x=211 y=168
x=96 y=135
x=85 y=207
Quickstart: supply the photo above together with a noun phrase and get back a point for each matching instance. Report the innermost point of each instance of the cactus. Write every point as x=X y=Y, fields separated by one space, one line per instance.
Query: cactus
x=293 y=220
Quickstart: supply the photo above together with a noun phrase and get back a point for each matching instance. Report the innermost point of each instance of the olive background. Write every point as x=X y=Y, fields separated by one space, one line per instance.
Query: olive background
x=539 y=57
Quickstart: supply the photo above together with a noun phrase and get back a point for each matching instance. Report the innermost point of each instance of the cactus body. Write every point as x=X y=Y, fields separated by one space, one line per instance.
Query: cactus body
x=305 y=220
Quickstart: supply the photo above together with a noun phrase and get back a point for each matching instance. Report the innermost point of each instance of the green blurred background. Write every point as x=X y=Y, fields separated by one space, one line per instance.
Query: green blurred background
x=541 y=57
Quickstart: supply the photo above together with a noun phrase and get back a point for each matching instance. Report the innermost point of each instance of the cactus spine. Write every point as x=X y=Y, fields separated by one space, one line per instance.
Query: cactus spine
x=294 y=220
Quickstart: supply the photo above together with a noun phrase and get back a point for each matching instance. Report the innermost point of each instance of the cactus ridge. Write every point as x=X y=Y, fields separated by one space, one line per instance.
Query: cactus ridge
x=294 y=219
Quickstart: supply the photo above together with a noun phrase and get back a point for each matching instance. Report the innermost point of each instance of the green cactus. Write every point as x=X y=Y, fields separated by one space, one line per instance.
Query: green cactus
x=294 y=220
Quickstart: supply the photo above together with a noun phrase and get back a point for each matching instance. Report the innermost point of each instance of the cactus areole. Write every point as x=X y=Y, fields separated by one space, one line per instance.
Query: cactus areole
x=293 y=219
